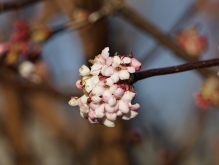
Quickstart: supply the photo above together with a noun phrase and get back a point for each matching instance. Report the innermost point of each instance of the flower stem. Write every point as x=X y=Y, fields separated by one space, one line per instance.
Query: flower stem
x=173 y=69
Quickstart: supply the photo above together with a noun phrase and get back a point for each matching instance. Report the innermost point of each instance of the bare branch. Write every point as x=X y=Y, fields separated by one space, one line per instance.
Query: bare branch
x=174 y=69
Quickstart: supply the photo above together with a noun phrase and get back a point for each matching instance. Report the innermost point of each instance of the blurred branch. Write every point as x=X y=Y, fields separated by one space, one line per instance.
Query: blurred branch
x=174 y=69
x=137 y=20
x=6 y=6
x=187 y=14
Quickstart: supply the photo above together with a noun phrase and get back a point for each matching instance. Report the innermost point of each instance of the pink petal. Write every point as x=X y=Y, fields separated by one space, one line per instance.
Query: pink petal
x=103 y=68
x=99 y=112
x=92 y=121
x=91 y=114
x=108 y=108
x=105 y=53
x=136 y=64
x=118 y=93
x=109 y=61
x=78 y=84
x=123 y=106
x=94 y=105
x=124 y=75
x=106 y=96
x=4 y=48
x=134 y=107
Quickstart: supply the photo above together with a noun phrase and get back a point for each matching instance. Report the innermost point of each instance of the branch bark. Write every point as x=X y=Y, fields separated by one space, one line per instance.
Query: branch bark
x=7 y=6
x=174 y=69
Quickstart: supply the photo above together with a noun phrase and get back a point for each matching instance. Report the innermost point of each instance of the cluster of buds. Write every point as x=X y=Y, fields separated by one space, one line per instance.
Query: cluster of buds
x=191 y=41
x=107 y=91
x=22 y=51
x=209 y=94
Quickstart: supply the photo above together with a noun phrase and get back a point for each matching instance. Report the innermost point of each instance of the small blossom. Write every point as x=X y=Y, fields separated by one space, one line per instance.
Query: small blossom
x=84 y=70
x=78 y=84
x=105 y=53
x=73 y=101
x=108 y=93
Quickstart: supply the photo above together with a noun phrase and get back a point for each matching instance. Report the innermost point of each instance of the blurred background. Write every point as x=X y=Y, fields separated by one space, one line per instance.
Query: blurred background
x=45 y=42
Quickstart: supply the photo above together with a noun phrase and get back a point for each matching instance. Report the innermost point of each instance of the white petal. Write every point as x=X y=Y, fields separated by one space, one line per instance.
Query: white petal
x=130 y=115
x=95 y=69
x=73 y=101
x=111 y=116
x=108 y=71
x=113 y=88
x=99 y=112
x=98 y=90
x=96 y=99
x=109 y=81
x=109 y=61
x=112 y=101
x=123 y=106
x=116 y=61
x=108 y=123
x=115 y=77
x=124 y=75
x=88 y=85
x=106 y=96
x=108 y=108
x=84 y=98
x=93 y=105
x=105 y=53
x=84 y=70
x=131 y=69
x=95 y=80
x=128 y=96
x=126 y=60
x=119 y=113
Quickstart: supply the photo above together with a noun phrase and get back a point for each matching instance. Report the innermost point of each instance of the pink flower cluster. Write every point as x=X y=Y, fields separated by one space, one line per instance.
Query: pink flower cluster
x=107 y=92
x=191 y=41
x=209 y=94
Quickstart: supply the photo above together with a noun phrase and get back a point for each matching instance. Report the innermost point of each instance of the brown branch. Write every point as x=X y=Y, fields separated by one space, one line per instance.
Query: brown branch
x=6 y=6
x=174 y=69
x=138 y=21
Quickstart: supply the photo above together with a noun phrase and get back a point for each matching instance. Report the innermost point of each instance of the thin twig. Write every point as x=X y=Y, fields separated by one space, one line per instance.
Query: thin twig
x=137 y=20
x=174 y=69
x=6 y=6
